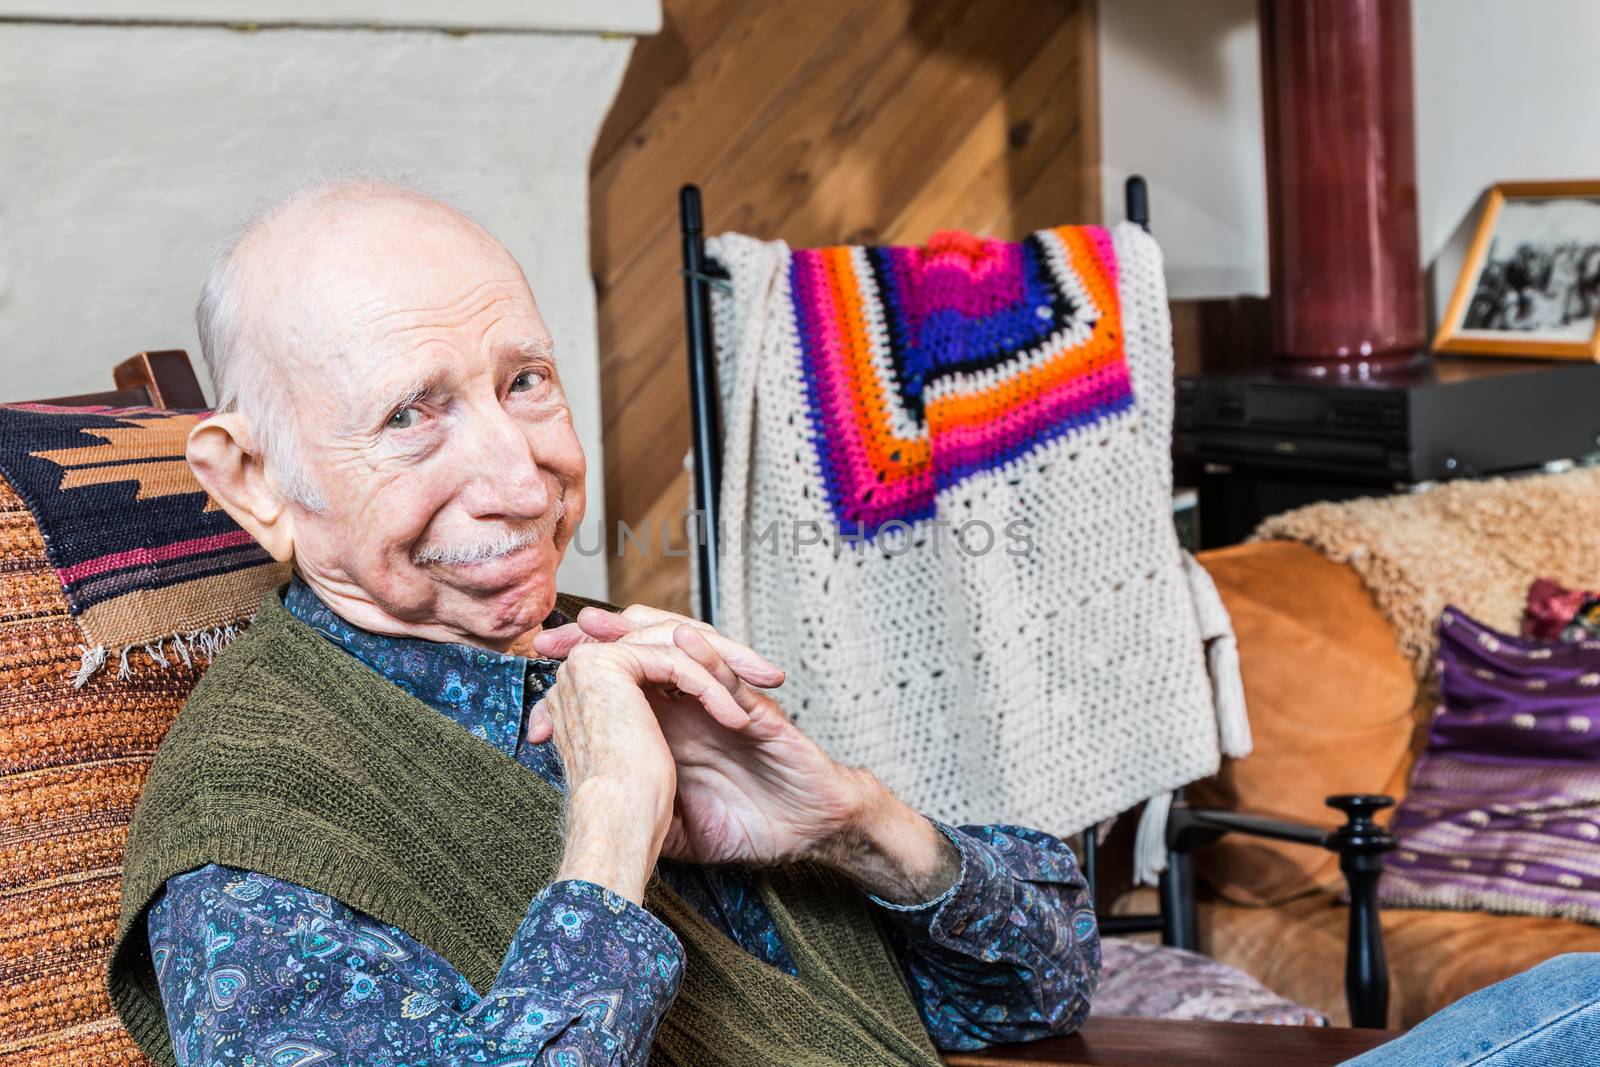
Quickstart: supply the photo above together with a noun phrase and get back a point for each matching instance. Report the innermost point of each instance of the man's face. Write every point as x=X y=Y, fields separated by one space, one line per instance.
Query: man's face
x=432 y=422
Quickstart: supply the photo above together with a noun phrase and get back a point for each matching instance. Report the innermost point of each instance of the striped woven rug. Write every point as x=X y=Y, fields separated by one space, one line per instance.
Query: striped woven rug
x=118 y=578
x=72 y=762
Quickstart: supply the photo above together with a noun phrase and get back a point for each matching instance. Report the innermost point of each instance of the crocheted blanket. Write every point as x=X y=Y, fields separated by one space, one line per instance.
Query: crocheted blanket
x=946 y=509
x=1475 y=544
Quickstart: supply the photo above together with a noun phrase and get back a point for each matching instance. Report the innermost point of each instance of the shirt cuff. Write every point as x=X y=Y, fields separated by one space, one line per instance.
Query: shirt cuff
x=583 y=945
x=916 y=914
x=1008 y=874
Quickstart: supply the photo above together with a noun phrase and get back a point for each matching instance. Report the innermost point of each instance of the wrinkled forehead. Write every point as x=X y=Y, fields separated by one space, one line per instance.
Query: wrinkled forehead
x=372 y=279
x=363 y=253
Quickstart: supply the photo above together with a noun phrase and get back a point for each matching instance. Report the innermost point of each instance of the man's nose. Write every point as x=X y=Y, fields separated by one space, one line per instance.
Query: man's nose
x=506 y=480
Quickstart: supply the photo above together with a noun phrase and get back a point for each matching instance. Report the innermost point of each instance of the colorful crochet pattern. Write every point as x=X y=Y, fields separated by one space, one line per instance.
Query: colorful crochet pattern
x=926 y=365
x=146 y=560
x=946 y=510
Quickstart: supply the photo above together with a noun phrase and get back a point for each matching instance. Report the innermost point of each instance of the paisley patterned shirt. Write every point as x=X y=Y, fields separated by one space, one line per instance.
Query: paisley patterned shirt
x=257 y=972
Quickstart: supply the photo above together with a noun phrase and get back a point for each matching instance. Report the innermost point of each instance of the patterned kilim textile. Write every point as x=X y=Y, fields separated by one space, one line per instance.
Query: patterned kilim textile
x=148 y=563
x=107 y=544
x=1503 y=813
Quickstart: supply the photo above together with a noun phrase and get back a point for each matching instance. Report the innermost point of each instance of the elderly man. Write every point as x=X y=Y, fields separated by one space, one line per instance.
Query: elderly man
x=417 y=814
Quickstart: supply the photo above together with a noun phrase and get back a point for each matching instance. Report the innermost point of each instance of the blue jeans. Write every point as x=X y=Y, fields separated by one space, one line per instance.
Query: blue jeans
x=1545 y=1017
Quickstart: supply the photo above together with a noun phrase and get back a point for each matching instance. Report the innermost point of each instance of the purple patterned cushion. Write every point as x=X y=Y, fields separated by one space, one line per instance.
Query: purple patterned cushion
x=1156 y=982
x=1504 y=808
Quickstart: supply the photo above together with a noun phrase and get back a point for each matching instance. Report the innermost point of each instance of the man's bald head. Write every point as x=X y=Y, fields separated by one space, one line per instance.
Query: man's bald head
x=390 y=413
x=289 y=287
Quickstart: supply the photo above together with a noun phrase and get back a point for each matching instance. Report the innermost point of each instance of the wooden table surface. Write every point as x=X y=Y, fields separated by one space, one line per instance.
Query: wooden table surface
x=1107 y=1042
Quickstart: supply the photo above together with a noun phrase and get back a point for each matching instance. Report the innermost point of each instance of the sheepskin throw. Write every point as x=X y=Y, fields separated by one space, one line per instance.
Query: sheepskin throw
x=1478 y=545
x=946 y=509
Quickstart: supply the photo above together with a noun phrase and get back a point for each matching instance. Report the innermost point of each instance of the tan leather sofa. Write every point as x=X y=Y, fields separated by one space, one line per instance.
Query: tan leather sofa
x=1334 y=708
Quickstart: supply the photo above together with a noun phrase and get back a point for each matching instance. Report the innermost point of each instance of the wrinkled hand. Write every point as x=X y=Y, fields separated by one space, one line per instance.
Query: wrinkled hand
x=756 y=792
x=621 y=775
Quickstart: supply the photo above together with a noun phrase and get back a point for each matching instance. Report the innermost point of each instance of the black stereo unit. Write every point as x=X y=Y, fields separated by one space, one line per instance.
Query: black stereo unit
x=1261 y=442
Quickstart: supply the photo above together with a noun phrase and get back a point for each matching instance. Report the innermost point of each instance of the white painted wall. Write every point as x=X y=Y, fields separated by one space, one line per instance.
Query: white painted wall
x=1180 y=103
x=127 y=150
x=1505 y=91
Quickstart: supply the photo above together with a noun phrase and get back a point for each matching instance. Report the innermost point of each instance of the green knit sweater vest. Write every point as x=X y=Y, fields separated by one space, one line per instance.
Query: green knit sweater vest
x=293 y=759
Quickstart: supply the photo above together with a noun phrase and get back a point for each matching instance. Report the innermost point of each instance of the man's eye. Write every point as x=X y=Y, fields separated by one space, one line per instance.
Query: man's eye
x=528 y=379
x=403 y=419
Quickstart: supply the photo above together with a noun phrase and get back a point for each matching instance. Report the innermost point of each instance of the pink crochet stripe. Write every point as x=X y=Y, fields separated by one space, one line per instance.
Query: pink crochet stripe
x=952 y=280
x=1104 y=250
x=145 y=556
x=957 y=446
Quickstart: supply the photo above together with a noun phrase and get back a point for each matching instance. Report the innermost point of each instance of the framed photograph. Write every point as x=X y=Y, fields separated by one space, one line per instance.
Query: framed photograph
x=1530 y=285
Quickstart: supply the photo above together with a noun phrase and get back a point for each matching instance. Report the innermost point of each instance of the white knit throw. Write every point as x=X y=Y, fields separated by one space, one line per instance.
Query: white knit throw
x=1054 y=688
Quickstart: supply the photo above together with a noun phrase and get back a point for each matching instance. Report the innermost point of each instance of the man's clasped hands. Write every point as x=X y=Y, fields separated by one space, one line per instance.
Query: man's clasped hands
x=673 y=747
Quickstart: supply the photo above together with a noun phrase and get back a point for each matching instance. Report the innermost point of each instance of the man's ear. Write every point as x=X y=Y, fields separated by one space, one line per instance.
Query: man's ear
x=222 y=455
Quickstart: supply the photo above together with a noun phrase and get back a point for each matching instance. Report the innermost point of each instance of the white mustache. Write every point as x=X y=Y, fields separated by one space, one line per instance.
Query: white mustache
x=508 y=540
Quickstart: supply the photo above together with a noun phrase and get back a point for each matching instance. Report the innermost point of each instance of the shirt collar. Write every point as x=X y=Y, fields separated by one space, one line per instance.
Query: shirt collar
x=486 y=692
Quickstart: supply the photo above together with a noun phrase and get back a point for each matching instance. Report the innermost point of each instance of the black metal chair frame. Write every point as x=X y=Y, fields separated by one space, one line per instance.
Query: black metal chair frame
x=1360 y=843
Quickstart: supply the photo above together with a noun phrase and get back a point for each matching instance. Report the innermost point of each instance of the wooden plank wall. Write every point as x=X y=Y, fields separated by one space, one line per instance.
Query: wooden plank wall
x=818 y=121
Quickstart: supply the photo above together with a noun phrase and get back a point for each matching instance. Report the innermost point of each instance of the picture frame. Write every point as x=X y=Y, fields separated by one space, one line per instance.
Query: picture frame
x=1530 y=283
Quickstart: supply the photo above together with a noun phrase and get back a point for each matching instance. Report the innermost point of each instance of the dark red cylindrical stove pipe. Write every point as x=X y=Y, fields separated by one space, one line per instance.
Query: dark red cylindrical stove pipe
x=1341 y=179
